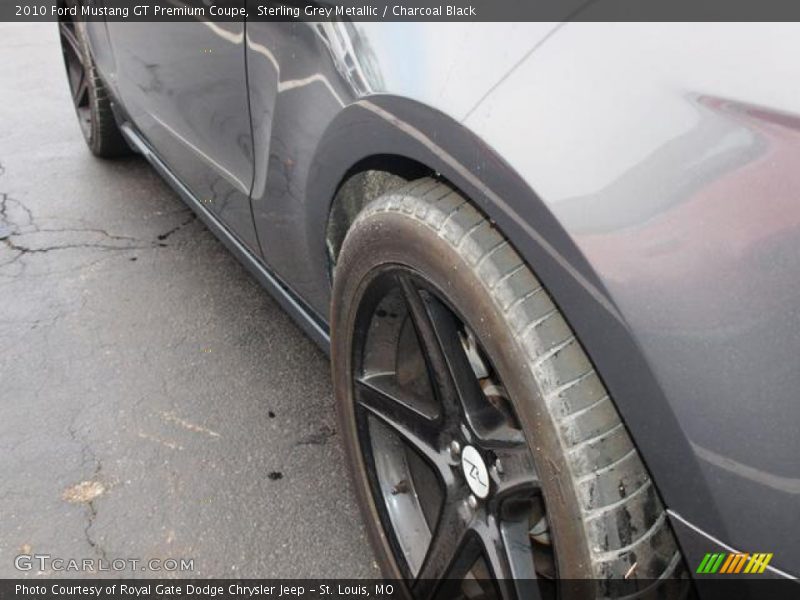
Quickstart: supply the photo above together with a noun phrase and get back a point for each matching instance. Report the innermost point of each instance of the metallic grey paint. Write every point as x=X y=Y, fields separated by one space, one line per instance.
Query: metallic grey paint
x=648 y=173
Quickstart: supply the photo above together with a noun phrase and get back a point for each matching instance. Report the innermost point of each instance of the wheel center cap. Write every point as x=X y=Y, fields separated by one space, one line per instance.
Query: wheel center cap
x=475 y=471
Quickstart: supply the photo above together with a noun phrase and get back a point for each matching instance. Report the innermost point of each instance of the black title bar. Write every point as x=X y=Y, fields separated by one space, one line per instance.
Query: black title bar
x=405 y=10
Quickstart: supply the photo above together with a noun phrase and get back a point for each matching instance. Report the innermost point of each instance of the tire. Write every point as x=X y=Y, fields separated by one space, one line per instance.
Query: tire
x=605 y=517
x=91 y=99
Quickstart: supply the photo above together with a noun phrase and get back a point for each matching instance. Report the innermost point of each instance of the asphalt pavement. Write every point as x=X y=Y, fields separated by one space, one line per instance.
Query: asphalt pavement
x=155 y=402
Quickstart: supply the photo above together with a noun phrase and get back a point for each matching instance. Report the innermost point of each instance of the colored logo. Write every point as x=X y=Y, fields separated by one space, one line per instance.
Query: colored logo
x=734 y=562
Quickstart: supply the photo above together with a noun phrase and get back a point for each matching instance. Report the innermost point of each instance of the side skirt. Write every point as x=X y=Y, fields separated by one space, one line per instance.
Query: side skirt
x=289 y=301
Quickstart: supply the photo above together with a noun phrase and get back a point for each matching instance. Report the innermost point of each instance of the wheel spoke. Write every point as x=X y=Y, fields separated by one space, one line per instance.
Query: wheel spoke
x=450 y=554
x=413 y=427
x=513 y=476
x=507 y=549
x=440 y=334
x=81 y=90
x=68 y=35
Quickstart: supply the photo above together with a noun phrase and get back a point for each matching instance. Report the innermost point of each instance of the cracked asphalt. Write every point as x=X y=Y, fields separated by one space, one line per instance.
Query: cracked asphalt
x=156 y=402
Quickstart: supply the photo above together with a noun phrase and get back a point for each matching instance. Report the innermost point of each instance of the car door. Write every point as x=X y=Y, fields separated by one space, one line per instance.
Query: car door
x=184 y=85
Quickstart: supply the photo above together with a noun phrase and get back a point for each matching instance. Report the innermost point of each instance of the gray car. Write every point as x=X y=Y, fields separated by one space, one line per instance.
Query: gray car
x=556 y=267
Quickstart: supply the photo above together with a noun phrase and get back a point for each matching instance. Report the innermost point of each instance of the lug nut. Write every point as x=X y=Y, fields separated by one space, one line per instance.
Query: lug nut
x=455 y=449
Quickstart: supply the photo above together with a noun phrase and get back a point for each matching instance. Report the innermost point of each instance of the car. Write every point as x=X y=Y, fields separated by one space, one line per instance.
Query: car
x=556 y=268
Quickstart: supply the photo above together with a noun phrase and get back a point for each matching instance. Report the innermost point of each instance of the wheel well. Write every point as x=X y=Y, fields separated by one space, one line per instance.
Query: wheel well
x=366 y=180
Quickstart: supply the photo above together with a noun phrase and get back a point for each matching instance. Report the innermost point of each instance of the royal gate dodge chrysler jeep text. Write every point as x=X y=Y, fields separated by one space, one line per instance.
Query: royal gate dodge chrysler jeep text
x=557 y=269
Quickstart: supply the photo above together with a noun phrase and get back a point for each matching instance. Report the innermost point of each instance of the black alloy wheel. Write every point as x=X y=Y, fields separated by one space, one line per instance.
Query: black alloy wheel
x=448 y=462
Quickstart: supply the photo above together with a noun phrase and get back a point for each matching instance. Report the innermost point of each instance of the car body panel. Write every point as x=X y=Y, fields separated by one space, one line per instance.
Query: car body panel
x=646 y=173
x=185 y=89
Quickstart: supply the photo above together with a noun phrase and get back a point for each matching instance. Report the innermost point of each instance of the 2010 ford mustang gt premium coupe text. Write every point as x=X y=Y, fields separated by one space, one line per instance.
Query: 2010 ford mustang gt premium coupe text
x=557 y=270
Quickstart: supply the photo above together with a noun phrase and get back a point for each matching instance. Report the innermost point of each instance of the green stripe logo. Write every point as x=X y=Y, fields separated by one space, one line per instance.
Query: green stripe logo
x=711 y=563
